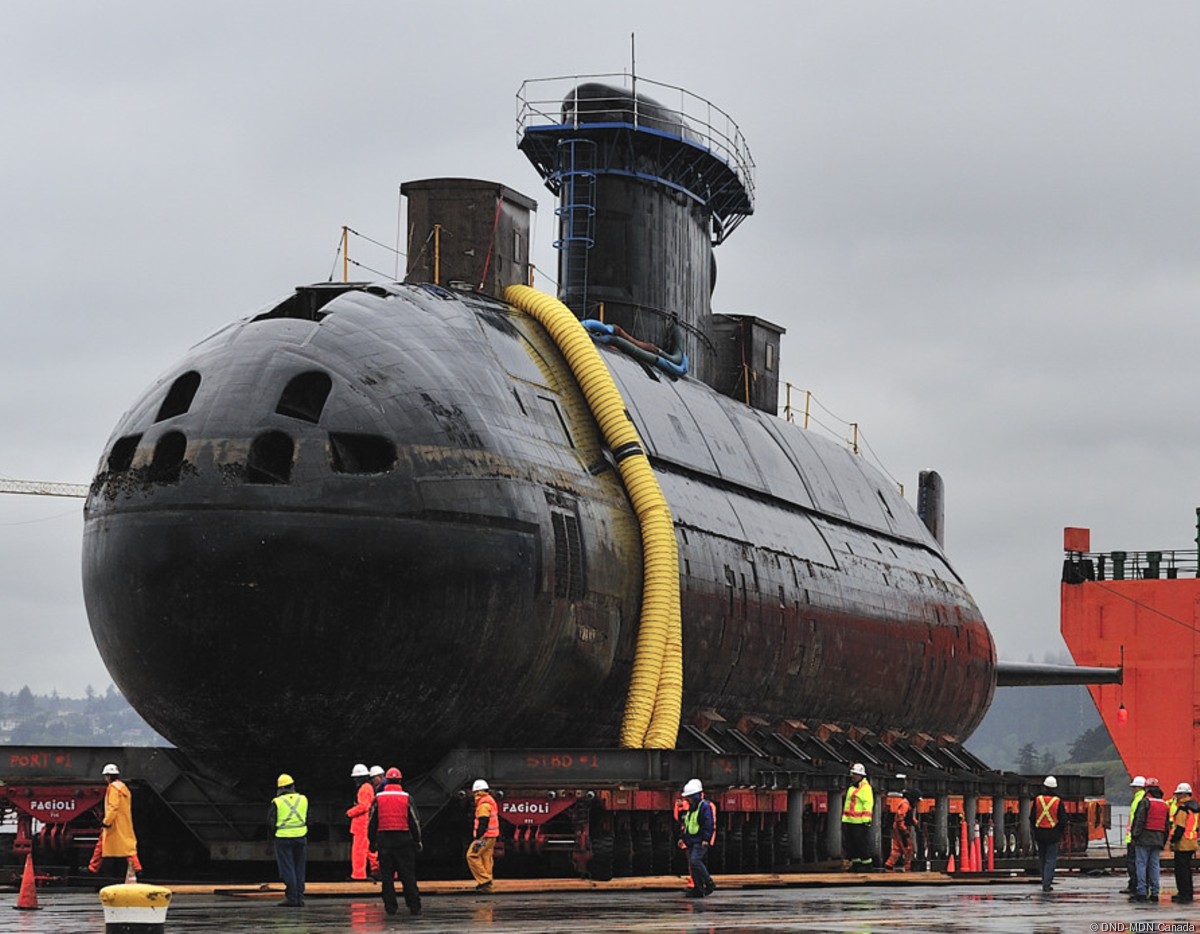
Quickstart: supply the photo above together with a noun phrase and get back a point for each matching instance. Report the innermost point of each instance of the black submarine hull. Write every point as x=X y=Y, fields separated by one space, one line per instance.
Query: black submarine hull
x=377 y=522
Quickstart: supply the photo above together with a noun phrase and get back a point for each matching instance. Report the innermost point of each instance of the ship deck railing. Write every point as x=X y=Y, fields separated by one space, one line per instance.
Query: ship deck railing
x=1131 y=565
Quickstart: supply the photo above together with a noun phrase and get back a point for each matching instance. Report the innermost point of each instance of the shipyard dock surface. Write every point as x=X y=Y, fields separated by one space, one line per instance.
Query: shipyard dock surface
x=923 y=902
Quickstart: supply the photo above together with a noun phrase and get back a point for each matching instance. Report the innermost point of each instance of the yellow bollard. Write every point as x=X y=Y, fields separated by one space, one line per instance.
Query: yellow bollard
x=135 y=909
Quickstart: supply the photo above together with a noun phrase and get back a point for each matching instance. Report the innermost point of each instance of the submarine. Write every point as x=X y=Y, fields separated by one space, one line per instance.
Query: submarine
x=383 y=520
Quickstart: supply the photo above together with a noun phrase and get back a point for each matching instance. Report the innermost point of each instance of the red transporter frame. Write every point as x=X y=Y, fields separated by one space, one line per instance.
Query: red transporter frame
x=69 y=815
x=631 y=831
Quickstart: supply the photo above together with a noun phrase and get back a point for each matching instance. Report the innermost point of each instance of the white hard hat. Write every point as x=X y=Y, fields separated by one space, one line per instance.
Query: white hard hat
x=110 y=769
x=480 y=785
x=1050 y=782
x=857 y=769
x=376 y=770
x=1183 y=788
x=693 y=787
x=359 y=771
x=1139 y=781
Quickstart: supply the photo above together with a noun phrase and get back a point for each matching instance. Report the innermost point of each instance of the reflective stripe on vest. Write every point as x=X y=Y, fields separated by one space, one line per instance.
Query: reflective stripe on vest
x=391 y=806
x=493 y=815
x=1047 y=806
x=860 y=802
x=1156 y=814
x=291 y=815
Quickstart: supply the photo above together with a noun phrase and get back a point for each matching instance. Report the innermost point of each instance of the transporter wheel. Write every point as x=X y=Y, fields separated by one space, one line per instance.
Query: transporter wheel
x=750 y=835
x=600 y=867
x=661 y=845
x=766 y=848
x=622 y=861
x=643 y=852
x=733 y=845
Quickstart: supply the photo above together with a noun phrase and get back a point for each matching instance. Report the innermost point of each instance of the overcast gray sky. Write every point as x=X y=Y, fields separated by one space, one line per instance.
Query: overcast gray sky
x=976 y=221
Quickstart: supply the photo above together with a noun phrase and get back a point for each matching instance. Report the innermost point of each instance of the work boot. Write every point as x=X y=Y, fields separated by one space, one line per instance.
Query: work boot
x=695 y=893
x=710 y=887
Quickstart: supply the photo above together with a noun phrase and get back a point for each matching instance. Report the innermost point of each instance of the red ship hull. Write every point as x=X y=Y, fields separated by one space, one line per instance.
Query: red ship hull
x=1146 y=622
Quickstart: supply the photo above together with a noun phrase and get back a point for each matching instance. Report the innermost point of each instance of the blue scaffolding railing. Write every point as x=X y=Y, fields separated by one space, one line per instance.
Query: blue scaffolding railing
x=672 y=138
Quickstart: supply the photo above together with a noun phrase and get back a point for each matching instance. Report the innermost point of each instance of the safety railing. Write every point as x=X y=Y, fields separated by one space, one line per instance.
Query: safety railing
x=1132 y=565
x=647 y=105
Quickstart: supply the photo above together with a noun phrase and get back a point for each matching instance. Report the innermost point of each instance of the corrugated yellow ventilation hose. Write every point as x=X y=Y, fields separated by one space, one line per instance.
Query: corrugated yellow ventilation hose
x=655 y=701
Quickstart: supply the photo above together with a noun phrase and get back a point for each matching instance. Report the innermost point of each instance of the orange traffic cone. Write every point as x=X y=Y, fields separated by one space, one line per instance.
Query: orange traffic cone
x=130 y=875
x=27 y=898
x=950 y=865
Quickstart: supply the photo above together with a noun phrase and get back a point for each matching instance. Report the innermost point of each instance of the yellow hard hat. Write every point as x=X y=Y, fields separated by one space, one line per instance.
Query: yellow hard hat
x=284 y=780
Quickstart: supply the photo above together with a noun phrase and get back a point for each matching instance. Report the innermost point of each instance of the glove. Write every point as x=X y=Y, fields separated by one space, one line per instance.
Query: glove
x=476 y=846
x=682 y=845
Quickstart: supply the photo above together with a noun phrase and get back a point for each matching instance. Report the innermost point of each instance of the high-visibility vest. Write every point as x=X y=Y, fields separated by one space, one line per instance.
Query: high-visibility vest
x=691 y=820
x=860 y=803
x=1191 y=825
x=1133 y=806
x=291 y=815
x=1156 y=814
x=1047 y=808
x=485 y=806
x=391 y=808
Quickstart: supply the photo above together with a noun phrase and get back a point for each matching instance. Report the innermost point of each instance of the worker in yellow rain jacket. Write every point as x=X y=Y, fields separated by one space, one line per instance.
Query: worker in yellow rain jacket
x=118 y=841
x=857 y=812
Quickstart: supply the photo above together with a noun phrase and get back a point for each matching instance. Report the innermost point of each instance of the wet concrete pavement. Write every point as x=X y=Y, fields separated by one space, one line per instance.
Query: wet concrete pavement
x=1077 y=905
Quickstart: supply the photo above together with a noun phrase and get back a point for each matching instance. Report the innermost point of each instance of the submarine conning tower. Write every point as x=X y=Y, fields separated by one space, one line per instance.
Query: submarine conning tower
x=645 y=192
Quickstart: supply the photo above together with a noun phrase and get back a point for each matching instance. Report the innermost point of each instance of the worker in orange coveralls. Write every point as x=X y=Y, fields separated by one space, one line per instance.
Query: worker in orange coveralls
x=360 y=814
x=377 y=782
x=118 y=843
x=486 y=832
x=904 y=822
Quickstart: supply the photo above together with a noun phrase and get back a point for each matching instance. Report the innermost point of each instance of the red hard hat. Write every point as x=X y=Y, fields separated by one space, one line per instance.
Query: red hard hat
x=392 y=773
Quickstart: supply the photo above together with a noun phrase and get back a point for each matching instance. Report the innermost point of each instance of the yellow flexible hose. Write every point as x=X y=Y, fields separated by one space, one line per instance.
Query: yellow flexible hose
x=654 y=704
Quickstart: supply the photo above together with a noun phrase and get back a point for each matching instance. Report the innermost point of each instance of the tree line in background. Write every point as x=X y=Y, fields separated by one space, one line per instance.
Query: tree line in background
x=28 y=719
